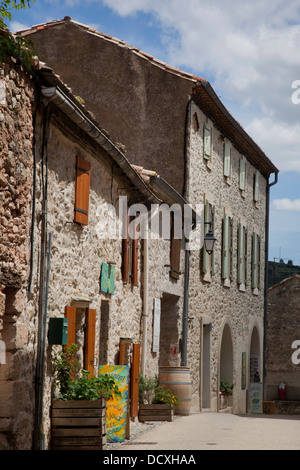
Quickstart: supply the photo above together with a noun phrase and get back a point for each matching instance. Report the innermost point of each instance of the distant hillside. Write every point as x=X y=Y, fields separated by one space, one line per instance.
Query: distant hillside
x=280 y=271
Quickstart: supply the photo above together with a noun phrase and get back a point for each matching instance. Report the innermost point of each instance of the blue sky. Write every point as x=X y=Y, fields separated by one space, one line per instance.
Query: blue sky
x=249 y=51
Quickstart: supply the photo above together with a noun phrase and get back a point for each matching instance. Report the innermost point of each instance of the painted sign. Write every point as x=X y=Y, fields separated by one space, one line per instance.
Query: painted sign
x=116 y=407
x=255 y=397
x=107 y=280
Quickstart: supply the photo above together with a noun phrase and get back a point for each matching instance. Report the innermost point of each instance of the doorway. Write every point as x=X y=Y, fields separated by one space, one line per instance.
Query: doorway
x=205 y=388
x=169 y=350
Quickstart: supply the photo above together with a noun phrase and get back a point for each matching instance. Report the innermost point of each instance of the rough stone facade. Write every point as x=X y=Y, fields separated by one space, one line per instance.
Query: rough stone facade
x=282 y=331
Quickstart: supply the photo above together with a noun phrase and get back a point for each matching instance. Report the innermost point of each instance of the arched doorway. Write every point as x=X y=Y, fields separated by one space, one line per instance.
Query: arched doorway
x=226 y=361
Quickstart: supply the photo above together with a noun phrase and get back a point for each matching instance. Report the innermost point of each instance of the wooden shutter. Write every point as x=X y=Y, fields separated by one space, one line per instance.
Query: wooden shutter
x=242 y=173
x=206 y=227
x=226 y=159
x=246 y=256
x=125 y=267
x=70 y=314
x=225 y=247
x=135 y=256
x=256 y=186
x=240 y=260
x=134 y=380
x=254 y=260
x=89 y=347
x=213 y=255
x=231 y=247
x=207 y=141
x=82 y=191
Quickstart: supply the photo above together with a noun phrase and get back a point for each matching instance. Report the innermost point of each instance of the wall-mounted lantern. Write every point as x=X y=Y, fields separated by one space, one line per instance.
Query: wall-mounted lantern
x=209 y=239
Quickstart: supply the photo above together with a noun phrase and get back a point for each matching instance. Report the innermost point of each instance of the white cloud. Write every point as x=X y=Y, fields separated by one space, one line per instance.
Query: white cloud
x=250 y=50
x=17 y=26
x=286 y=204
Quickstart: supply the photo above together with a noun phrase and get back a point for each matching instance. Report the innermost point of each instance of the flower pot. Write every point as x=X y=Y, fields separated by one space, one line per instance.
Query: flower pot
x=78 y=425
x=156 y=412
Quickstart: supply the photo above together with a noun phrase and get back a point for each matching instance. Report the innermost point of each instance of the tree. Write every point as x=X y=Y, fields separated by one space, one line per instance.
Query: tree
x=13 y=45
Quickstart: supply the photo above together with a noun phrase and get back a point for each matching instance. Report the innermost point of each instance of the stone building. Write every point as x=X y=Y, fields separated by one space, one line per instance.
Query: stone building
x=283 y=339
x=174 y=123
x=64 y=190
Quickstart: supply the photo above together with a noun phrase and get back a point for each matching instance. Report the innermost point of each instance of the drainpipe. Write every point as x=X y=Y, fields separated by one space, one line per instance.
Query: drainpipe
x=145 y=302
x=269 y=185
x=185 y=316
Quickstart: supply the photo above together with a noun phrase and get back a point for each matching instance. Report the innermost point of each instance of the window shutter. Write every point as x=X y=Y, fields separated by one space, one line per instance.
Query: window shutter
x=240 y=254
x=126 y=244
x=256 y=186
x=205 y=254
x=82 y=191
x=226 y=159
x=89 y=347
x=258 y=262
x=213 y=255
x=135 y=257
x=207 y=141
x=175 y=257
x=70 y=314
x=242 y=173
x=225 y=253
x=254 y=261
x=231 y=247
x=246 y=256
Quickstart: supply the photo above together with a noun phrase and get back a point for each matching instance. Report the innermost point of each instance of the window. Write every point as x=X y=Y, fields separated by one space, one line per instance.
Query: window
x=208 y=261
x=256 y=263
x=242 y=240
x=227 y=160
x=175 y=248
x=227 y=250
x=82 y=191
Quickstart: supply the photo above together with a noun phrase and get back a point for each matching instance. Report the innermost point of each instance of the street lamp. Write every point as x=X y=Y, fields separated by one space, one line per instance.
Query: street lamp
x=209 y=239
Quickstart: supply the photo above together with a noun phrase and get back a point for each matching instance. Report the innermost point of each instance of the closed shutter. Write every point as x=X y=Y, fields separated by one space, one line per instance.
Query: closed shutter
x=242 y=173
x=135 y=258
x=82 y=191
x=225 y=247
x=227 y=159
x=126 y=249
x=254 y=261
x=175 y=257
x=207 y=141
x=246 y=256
x=240 y=261
x=89 y=348
x=213 y=255
x=206 y=227
x=256 y=187
x=70 y=314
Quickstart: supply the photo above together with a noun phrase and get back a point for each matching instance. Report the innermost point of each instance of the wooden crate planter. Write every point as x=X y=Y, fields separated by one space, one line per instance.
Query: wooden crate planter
x=158 y=412
x=78 y=425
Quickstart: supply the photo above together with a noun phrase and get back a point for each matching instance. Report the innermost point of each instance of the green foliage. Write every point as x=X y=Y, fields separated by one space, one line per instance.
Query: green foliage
x=150 y=392
x=92 y=388
x=12 y=45
x=66 y=365
x=226 y=387
x=164 y=395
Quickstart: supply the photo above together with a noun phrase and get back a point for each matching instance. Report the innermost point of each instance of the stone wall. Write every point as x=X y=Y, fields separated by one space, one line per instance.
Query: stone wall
x=282 y=330
x=212 y=300
x=17 y=316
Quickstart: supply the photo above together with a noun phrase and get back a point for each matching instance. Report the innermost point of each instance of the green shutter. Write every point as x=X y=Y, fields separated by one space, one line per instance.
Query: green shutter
x=254 y=261
x=226 y=159
x=225 y=253
x=246 y=256
x=256 y=186
x=240 y=254
x=259 y=262
x=213 y=263
x=231 y=248
x=207 y=141
x=205 y=254
x=242 y=173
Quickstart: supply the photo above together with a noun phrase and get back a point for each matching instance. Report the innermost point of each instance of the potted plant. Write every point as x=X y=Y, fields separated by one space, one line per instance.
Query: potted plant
x=225 y=391
x=79 y=411
x=156 y=403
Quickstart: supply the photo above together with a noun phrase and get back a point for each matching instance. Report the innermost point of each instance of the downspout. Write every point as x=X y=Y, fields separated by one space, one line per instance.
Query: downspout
x=145 y=302
x=38 y=437
x=269 y=185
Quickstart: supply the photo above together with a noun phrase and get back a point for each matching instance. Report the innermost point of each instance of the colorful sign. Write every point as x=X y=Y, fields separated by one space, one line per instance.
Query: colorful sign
x=107 y=280
x=255 y=398
x=116 y=407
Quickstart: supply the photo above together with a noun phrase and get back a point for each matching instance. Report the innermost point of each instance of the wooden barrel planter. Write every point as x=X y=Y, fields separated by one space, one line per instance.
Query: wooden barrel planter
x=155 y=412
x=178 y=381
x=78 y=425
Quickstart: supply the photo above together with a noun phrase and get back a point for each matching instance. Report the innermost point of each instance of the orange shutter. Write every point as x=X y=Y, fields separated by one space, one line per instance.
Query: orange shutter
x=135 y=257
x=125 y=250
x=175 y=257
x=89 y=349
x=82 y=191
x=70 y=314
x=134 y=382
